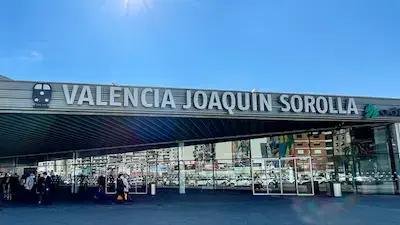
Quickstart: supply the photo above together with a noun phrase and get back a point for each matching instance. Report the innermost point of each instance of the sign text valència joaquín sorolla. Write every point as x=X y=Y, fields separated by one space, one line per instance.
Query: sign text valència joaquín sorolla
x=206 y=100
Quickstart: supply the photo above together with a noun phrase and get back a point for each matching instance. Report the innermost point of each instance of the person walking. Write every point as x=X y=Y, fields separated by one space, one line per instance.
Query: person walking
x=120 y=189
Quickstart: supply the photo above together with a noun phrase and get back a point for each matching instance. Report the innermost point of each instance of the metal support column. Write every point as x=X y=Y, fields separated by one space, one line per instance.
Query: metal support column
x=392 y=140
x=396 y=150
x=15 y=163
x=74 y=188
x=181 y=163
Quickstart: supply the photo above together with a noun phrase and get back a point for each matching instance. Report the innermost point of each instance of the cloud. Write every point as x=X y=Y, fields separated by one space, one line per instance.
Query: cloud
x=32 y=55
x=21 y=56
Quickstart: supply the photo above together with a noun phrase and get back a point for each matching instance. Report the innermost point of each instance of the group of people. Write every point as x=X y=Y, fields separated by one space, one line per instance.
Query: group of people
x=40 y=188
x=28 y=188
x=8 y=187
x=122 y=188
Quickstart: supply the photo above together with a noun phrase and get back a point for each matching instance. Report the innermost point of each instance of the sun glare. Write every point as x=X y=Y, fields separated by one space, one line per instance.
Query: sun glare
x=136 y=6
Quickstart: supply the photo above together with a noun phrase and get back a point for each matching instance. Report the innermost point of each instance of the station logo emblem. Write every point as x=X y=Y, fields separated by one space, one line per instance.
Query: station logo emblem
x=41 y=95
x=371 y=111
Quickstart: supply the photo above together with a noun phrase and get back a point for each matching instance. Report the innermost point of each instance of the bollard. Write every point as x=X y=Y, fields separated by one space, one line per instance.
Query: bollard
x=153 y=189
x=337 y=190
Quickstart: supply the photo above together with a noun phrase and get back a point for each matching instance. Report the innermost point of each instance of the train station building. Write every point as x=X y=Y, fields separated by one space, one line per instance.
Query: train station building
x=190 y=139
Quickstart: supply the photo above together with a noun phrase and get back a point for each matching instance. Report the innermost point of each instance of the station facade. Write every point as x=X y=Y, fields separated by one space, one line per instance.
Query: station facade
x=183 y=139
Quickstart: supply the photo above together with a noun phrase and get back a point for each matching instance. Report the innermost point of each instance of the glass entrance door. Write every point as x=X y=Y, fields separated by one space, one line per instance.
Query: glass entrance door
x=288 y=174
x=273 y=176
x=284 y=176
x=137 y=177
x=135 y=172
x=112 y=171
x=304 y=176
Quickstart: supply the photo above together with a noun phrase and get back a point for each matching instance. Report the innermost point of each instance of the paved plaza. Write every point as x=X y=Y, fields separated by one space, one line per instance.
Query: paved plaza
x=205 y=208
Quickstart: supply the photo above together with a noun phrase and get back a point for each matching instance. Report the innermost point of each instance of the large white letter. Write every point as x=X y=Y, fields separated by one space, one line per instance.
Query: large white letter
x=129 y=97
x=196 y=100
x=70 y=98
x=284 y=99
x=332 y=109
x=352 y=107
x=322 y=105
x=143 y=97
x=168 y=99
x=214 y=101
x=115 y=92
x=156 y=98
x=340 y=106
x=99 y=97
x=265 y=102
x=228 y=106
x=297 y=106
x=309 y=102
x=86 y=96
x=254 y=101
x=188 y=100
x=246 y=105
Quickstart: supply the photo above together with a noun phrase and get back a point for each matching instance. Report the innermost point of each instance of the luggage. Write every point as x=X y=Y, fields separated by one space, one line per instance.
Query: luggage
x=120 y=199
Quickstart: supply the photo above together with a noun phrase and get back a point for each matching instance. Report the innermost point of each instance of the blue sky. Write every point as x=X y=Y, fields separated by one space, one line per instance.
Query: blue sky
x=336 y=47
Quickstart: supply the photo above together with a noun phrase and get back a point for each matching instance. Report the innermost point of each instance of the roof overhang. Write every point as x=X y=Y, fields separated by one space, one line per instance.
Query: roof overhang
x=107 y=118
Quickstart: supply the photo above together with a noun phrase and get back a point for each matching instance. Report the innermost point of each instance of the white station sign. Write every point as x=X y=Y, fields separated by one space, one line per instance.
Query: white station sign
x=228 y=101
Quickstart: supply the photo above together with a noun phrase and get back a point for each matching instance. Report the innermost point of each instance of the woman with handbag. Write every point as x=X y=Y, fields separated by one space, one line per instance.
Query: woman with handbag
x=120 y=189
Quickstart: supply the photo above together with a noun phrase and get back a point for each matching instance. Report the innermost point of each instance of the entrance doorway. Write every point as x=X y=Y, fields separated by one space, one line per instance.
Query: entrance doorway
x=136 y=173
x=282 y=176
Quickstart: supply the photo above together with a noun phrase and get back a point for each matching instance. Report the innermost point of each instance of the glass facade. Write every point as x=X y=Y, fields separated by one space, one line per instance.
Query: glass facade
x=366 y=166
x=364 y=160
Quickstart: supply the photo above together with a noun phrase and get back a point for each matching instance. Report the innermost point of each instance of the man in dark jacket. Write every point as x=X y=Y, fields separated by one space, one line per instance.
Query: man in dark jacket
x=100 y=194
x=48 y=184
x=40 y=189
x=1 y=190
x=14 y=187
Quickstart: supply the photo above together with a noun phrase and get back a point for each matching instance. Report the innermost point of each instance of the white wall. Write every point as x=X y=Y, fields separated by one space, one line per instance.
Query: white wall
x=223 y=150
x=255 y=145
x=188 y=153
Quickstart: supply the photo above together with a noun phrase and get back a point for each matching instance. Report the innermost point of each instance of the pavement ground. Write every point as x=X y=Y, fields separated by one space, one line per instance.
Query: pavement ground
x=208 y=208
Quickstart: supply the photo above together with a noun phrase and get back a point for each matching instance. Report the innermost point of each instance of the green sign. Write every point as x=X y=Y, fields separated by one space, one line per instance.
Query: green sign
x=371 y=111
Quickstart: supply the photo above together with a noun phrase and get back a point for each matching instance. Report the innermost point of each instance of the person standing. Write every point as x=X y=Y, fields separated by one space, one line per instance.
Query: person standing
x=15 y=188
x=120 y=189
x=28 y=186
x=126 y=186
x=40 y=188
x=7 y=188
x=48 y=184
x=100 y=195
x=2 y=180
